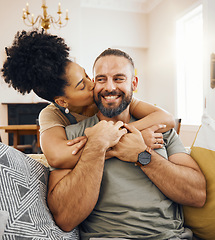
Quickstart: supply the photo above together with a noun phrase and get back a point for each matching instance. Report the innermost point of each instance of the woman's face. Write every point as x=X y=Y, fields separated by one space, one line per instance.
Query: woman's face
x=79 y=92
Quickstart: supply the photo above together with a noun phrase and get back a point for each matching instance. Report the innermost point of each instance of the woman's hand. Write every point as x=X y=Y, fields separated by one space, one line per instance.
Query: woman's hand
x=129 y=146
x=152 y=138
x=79 y=143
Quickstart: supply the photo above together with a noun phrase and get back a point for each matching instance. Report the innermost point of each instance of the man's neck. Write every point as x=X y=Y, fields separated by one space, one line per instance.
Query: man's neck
x=124 y=116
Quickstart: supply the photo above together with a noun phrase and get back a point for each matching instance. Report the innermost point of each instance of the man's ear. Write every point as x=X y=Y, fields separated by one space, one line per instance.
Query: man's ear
x=134 y=83
x=61 y=102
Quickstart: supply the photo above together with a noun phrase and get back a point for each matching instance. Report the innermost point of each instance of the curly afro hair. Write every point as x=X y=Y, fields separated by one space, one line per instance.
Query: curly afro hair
x=36 y=61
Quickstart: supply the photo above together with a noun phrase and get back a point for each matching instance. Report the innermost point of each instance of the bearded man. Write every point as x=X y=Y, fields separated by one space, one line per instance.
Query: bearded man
x=139 y=191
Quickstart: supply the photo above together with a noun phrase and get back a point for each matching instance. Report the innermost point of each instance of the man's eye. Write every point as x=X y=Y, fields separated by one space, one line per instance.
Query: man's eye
x=100 y=80
x=119 y=79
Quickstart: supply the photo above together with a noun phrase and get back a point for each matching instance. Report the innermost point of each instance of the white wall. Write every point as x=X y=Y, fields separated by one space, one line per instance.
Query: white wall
x=108 y=28
x=161 y=62
x=161 y=74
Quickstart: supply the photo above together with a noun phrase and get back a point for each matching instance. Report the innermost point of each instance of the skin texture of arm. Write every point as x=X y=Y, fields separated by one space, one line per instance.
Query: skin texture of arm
x=179 y=178
x=73 y=194
x=150 y=115
x=55 y=147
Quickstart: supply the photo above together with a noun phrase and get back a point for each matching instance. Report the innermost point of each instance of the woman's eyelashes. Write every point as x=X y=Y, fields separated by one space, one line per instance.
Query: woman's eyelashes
x=83 y=85
x=84 y=81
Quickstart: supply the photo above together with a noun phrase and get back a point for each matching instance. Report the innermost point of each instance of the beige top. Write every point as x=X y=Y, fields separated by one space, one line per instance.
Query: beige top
x=51 y=116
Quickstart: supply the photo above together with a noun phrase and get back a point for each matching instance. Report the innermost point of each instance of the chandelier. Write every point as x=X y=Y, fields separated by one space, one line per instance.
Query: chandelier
x=46 y=20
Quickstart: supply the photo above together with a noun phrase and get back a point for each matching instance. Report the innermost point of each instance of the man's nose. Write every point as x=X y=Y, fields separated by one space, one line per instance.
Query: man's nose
x=110 y=85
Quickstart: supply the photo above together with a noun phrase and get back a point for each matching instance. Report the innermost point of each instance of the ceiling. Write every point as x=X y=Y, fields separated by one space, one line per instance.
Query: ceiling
x=143 y=6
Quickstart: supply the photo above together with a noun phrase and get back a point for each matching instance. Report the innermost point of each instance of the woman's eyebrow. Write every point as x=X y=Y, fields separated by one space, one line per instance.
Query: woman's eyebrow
x=79 y=83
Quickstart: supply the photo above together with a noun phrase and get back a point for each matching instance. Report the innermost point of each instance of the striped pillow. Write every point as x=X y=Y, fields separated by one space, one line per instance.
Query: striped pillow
x=23 y=189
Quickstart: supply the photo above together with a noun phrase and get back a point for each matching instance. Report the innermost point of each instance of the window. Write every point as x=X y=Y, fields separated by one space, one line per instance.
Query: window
x=189 y=47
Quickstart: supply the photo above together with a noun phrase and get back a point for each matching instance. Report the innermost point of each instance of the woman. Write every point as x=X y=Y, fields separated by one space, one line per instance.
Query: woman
x=40 y=62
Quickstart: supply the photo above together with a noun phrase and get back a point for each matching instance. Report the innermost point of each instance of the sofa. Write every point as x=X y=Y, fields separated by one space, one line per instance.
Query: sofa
x=23 y=187
x=23 y=209
x=202 y=220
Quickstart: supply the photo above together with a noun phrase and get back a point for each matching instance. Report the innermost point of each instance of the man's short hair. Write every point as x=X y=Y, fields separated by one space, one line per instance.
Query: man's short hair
x=114 y=52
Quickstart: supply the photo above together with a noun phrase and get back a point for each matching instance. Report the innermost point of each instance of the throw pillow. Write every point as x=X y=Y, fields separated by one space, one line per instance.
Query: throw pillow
x=202 y=220
x=3 y=221
x=23 y=189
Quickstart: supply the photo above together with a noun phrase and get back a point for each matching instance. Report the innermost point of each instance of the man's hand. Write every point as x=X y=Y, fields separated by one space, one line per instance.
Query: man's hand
x=106 y=134
x=129 y=146
x=152 y=138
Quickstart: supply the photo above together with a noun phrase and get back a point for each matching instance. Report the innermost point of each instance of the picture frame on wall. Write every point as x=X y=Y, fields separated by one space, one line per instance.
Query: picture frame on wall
x=212 y=80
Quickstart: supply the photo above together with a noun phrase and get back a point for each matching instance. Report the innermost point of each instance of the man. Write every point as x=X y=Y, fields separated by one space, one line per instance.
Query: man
x=134 y=201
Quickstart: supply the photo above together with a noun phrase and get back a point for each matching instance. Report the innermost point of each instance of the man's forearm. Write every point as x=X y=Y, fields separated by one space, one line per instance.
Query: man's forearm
x=183 y=183
x=75 y=195
x=179 y=177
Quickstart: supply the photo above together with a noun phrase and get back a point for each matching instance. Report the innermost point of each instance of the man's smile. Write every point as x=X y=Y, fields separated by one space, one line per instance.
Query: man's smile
x=110 y=97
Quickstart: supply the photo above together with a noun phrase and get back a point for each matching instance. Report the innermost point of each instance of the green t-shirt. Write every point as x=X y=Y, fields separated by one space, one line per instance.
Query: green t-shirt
x=130 y=205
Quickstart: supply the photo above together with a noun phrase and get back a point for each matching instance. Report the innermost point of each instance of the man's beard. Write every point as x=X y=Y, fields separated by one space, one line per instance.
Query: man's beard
x=113 y=111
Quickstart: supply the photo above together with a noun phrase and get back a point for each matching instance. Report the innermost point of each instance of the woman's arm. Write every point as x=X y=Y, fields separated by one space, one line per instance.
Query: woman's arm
x=150 y=115
x=57 y=150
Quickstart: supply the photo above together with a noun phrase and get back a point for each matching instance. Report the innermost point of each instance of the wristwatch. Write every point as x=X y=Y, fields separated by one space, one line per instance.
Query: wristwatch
x=144 y=158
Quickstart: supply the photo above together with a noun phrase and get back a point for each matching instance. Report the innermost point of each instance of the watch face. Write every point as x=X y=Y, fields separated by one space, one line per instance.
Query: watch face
x=144 y=158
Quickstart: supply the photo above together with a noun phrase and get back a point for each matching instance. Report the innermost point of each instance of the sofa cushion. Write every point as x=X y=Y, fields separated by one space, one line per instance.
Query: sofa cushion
x=4 y=215
x=23 y=188
x=202 y=220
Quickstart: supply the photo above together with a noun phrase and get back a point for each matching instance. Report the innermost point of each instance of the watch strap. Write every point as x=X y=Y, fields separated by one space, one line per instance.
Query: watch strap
x=149 y=150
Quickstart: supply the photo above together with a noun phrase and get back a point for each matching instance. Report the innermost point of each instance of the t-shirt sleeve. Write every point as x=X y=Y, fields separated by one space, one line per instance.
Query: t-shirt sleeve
x=173 y=143
x=50 y=117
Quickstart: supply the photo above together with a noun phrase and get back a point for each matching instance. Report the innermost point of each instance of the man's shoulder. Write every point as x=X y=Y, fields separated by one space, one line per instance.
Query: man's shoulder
x=170 y=135
x=173 y=143
x=88 y=122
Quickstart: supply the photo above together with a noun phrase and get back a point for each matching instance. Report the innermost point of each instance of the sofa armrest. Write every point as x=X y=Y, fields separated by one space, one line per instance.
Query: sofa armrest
x=40 y=158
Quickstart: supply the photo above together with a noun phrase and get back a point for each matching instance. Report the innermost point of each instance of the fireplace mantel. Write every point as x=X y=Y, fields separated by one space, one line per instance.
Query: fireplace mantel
x=19 y=113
